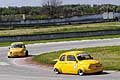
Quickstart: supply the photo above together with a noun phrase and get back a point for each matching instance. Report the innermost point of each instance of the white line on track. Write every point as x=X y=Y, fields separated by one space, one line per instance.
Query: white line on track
x=4 y=63
x=47 y=43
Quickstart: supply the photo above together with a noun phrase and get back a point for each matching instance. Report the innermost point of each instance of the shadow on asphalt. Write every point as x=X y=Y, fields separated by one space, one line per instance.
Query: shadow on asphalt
x=30 y=55
x=22 y=56
x=103 y=73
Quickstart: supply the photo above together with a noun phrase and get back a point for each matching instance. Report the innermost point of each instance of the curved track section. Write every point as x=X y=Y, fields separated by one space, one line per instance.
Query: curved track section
x=10 y=71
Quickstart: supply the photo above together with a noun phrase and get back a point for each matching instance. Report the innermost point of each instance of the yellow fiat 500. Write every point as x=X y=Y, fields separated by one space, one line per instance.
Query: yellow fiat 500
x=17 y=49
x=77 y=62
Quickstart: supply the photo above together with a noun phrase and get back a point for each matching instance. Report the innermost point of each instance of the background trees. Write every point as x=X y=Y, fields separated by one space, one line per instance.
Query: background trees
x=54 y=9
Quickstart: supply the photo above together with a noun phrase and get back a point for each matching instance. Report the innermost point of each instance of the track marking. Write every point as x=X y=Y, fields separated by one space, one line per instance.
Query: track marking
x=4 y=63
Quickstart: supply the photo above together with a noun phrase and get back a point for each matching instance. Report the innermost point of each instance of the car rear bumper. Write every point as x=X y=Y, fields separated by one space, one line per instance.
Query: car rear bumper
x=94 y=70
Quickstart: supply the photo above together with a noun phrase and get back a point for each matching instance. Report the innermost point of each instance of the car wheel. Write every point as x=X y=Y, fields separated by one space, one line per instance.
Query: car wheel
x=80 y=72
x=26 y=53
x=56 y=71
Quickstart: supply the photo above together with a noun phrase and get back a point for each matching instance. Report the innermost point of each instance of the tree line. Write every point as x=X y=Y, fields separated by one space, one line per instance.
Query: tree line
x=54 y=9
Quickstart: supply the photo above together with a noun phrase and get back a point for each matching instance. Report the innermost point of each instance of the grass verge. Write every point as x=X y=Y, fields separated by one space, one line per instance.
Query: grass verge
x=60 y=29
x=109 y=56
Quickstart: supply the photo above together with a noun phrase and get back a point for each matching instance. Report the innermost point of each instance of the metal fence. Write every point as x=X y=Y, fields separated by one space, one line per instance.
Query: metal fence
x=72 y=20
x=57 y=35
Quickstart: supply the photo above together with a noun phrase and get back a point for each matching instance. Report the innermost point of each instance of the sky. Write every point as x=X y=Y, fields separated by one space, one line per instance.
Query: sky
x=19 y=3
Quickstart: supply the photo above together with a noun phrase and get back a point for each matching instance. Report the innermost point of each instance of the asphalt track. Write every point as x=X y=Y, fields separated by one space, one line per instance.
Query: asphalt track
x=12 y=69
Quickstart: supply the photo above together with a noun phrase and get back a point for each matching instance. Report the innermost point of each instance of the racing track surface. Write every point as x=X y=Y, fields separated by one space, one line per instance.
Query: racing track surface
x=11 y=69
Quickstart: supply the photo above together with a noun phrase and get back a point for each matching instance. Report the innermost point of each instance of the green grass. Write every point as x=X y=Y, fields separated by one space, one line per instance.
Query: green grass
x=5 y=44
x=109 y=56
x=66 y=39
x=60 y=29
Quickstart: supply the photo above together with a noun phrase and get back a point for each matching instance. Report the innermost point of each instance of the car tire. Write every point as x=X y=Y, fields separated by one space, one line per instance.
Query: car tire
x=56 y=71
x=80 y=72
x=26 y=53
x=8 y=56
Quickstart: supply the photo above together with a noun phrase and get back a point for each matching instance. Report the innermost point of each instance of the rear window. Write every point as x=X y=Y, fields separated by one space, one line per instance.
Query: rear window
x=84 y=56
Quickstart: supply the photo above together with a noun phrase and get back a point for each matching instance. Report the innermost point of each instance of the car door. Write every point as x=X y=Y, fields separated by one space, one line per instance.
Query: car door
x=71 y=64
x=62 y=62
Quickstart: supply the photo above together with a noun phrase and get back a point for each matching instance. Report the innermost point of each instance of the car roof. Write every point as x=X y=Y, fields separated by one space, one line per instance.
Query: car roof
x=73 y=52
x=17 y=43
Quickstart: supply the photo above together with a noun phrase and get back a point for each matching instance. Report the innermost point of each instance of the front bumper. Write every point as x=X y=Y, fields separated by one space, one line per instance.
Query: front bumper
x=15 y=55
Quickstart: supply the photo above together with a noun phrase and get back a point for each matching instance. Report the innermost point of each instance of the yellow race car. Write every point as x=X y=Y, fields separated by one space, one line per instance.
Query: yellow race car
x=17 y=49
x=77 y=62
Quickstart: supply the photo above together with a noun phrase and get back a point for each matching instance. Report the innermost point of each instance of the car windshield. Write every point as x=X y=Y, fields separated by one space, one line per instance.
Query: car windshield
x=83 y=56
x=17 y=46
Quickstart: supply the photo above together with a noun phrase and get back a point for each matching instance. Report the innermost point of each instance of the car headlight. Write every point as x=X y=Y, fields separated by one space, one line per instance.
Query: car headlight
x=10 y=52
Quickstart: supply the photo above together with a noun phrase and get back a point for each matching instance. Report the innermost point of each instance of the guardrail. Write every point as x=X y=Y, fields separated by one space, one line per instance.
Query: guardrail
x=71 y=20
x=58 y=35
